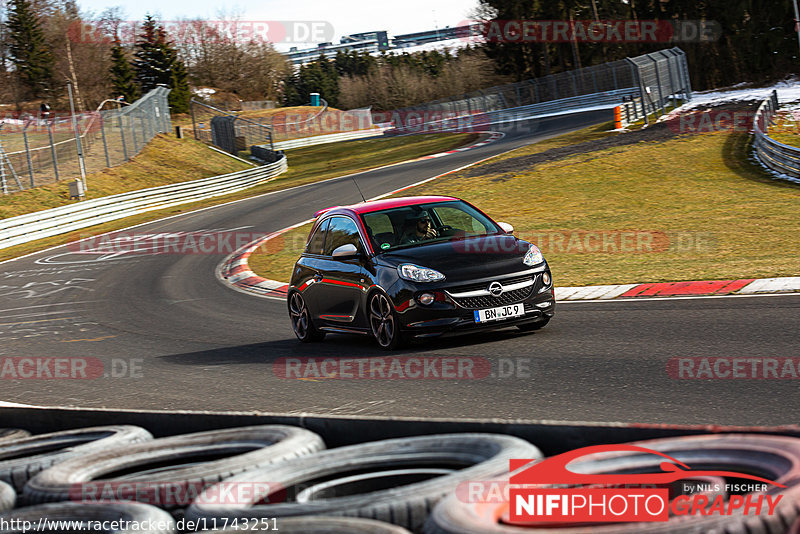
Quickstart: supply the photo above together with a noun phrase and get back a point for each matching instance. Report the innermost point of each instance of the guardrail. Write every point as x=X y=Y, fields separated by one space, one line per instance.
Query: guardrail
x=328 y=138
x=55 y=221
x=564 y=106
x=781 y=158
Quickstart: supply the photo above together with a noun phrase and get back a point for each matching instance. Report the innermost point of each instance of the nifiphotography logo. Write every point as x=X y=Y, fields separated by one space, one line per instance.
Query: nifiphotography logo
x=598 y=498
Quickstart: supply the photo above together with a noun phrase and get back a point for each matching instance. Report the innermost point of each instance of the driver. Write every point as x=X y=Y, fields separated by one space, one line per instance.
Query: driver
x=418 y=228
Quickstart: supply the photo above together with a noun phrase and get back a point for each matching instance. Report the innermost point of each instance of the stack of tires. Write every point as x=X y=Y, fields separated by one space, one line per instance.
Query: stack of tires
x=282 y=478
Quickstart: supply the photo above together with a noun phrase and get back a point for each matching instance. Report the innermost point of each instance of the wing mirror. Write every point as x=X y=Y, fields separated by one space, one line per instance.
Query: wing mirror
x=507 y=228
x=345 y=252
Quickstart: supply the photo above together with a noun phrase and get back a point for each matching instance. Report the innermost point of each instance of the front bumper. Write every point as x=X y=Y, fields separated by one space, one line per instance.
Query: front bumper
x=448 y=317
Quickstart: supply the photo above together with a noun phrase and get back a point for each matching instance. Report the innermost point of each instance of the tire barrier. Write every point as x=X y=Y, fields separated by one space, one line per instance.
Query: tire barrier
x=11 y=434
x=21 y=459
x=170 y=472
x=776 y=458
x=321 y=525
x=394 y=486
x=335 y=481
x=8 y=497
x=129 y=516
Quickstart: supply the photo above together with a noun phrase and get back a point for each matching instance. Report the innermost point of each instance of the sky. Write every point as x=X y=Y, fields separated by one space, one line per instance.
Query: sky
x=344 y=16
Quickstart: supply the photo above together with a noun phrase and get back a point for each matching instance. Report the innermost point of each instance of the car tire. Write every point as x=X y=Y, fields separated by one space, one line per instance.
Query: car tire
x=530 y=327
x=262 y=445
x=300 y=318
x=12 y=434
x=142 y=518
x=8 y=497
x=383 y=321
x=407 y=505
x=26 y=458
x=776 y=458
x=323 y=525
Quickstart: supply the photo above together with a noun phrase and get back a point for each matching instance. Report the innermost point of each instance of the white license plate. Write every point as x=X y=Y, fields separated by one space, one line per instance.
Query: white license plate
x=496 y=314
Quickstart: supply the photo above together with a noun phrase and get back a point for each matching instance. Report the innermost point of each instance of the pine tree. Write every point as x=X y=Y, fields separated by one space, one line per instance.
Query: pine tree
x=154 y=56
x=29 y=51
x=180 y=95
x=122 y=77
x=157 y=63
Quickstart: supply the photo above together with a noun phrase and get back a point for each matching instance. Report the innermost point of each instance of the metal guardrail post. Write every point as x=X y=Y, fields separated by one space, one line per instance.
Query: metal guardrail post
x=194 y=122
x=105 y=143
x=684 y=70
x=638 y=79
x=28 y=151
x=122 y=137
x=52 y=147
x=658 y=82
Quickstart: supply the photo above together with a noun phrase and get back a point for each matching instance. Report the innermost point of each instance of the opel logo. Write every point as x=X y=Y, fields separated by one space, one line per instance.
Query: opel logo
x=496 y=289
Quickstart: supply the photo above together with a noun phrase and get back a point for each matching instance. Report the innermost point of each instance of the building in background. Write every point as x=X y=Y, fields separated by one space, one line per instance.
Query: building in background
x=377 y=42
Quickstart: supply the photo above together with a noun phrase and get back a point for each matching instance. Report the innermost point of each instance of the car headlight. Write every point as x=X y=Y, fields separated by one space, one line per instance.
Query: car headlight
x=415 y=273
x=533 y=256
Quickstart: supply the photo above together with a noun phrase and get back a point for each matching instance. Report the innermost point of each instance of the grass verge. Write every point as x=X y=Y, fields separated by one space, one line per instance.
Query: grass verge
x=704 y=209
x=165 y=160
x=306 y=165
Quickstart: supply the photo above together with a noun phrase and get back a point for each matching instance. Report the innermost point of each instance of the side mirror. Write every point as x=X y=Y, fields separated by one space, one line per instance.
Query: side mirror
x=345 y=252
x=507 y=228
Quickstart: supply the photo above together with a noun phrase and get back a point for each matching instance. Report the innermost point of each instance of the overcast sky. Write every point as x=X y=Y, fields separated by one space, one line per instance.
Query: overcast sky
x=345 y=16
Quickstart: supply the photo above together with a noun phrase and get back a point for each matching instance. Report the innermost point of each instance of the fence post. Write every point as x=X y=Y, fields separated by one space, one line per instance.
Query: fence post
x=28 y=152
x=122 y=135
x=52 y=147
x=684 y=70
x=638 y=79
x=658 y=82
x=574 y=84
x=103 y=135
x=594 y=79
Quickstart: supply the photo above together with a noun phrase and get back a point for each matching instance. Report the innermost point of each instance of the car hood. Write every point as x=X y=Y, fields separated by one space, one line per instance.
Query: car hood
x=465 y=259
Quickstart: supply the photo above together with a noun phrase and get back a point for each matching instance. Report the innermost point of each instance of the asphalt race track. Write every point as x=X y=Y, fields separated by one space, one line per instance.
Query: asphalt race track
x=169 y=335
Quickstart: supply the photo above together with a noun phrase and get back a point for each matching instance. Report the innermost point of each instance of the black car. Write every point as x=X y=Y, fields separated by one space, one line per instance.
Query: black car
x=416 y=267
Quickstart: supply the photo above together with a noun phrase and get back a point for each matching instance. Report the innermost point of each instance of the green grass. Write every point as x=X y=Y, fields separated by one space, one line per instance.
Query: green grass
x=168 y=160
x=164 y=161
x=786 y=130
x=712 y=214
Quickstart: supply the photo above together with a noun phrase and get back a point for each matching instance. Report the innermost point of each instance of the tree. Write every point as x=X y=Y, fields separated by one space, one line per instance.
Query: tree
x=122 y=76
x=30 y=54
x=319 y=76
x=157 y=64
x=181 y=95
x=154 y=56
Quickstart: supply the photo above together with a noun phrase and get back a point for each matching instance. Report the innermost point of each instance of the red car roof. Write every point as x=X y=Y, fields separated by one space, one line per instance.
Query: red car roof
x=388 y=203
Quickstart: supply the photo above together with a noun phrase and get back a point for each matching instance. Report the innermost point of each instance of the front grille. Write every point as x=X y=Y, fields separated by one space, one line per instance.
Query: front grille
x=484 y=285
x=508 y=297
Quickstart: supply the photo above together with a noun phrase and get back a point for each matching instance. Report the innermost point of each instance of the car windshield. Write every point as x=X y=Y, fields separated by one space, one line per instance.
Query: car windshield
x=423 y=224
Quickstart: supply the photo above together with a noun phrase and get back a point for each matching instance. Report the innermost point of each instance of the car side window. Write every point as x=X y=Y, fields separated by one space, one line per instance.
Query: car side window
x=315 y=244
x=342 y=231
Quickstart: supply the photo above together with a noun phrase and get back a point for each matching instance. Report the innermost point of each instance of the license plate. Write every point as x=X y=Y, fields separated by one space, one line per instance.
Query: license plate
x=497 y=314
